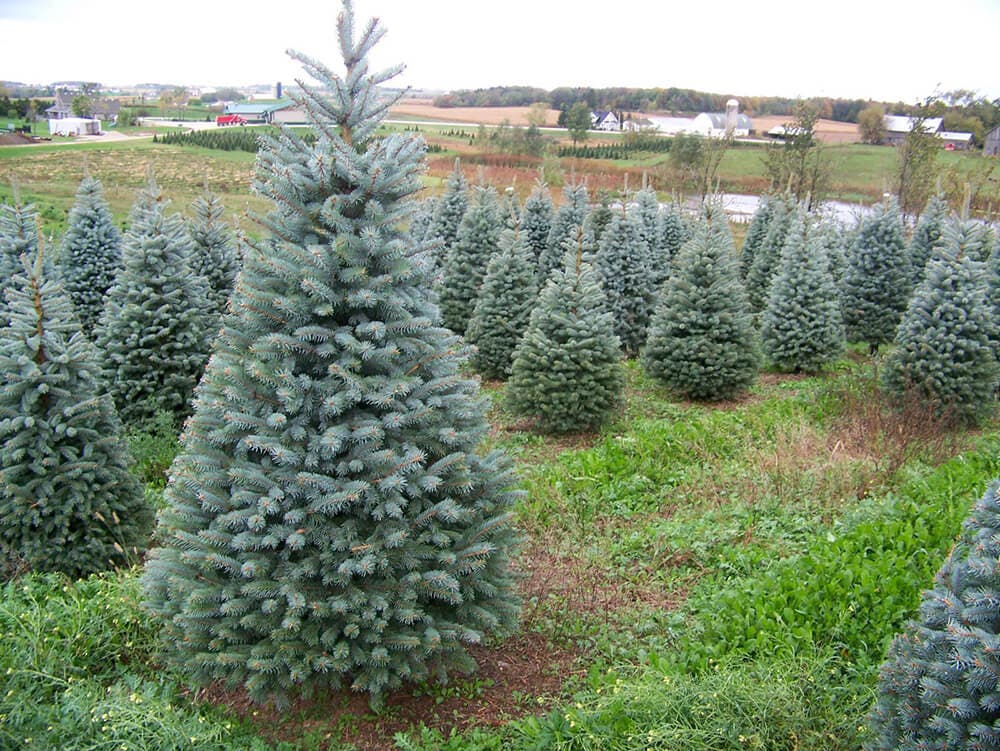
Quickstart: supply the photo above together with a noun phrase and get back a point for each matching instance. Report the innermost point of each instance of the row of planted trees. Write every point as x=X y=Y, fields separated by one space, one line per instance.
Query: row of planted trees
x=105 y=327
x=672 y=290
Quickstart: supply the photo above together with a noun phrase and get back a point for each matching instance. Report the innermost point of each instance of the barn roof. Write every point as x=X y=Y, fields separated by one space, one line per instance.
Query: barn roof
x=904 y=124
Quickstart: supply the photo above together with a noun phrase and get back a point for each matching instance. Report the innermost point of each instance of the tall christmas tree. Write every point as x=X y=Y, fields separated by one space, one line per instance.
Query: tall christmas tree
x=623 y=264
x=91 y=253
x=155 y=331
x=801 y=329
x=944 y=346
x=567 y=368
x=701 y=341
x=67 y=500
x=504 y=306
x=329 y=519
x=939 y=687
x=214 y=256
x=877 y=280
x=464 y=268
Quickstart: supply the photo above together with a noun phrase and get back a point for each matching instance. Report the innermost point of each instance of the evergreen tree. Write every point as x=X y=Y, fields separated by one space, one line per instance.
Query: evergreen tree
x=833 y=239
x=647 y=213
x=877 y=280
x=18 y=237
x=595 y=223
x=329 y=521
x=768 y=253
x=567 y=368
x=944 y=346
x=505 y=302
x=214 y=256
x=760 y=222
x=992 y=292
x=465 y=266
x=972 y=238
x=155 y=331
x=701 y=341
x=927 y=236
x=623 y=264
x=801 y=327
x=451 y=207
x=673 y=233
x=91 y=253
x=67 y=500
x=939 y=687
x=536 y=220
x=569 y=216
x=510 y=209
x=422 y=221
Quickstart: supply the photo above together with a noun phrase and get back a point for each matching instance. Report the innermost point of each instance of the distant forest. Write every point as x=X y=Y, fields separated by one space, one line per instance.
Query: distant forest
x=687 y=101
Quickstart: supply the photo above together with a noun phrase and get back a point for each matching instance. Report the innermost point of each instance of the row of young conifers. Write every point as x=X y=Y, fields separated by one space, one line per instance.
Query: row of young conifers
x=102 y=328
x=552 y=298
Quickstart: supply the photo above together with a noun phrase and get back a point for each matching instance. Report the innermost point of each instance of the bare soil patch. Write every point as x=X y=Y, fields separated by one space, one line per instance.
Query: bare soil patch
x=518 y=677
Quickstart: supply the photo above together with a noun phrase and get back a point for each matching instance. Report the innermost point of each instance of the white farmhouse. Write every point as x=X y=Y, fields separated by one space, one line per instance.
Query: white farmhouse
x=605 y=121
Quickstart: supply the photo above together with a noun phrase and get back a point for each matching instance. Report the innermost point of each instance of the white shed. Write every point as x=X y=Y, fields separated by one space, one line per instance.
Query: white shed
x=74 y=126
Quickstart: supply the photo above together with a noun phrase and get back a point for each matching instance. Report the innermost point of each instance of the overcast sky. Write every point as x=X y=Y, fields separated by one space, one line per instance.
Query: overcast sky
x=879 y=49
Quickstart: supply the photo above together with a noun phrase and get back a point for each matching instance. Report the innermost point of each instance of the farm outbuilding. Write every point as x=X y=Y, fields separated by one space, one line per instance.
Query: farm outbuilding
x=714 y=125
x=74 y=126
x=897 y=126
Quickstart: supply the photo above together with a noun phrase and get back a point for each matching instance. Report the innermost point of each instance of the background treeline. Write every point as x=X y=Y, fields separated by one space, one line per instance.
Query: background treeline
x=953 y=105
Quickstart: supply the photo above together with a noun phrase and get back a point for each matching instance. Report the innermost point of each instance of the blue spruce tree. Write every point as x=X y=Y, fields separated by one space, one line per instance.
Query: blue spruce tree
x=504 y=306
x=623 y=264
x=18 y=238
x=766 y=256
x=213 y=256
x=536 y=220
x=876 y=285
x=701 y=340
x=801 y=328
x=673 y=232
x=569 y=216
x=156 y=328
x=939 y=687
x=567 y=371
x=449 y=210
x=329 y=521
x=927 y=236
x=465 y=266
x=67 y=500
x=91 y=253
x=944 y=346
x=756 y=233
